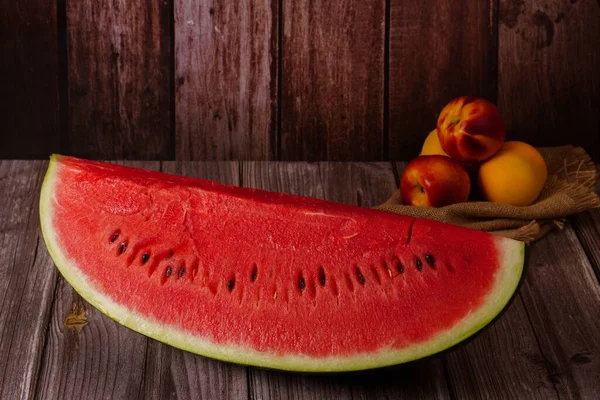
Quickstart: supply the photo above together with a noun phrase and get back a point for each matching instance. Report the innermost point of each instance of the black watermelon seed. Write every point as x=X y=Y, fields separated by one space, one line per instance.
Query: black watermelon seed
x=430 y=260
x=254 y=273
x=181 y=271
x=301 y=283
x=114 y=237
x=231 y=284
x=360 y=276
x=169 y=271
x=419 y=264
x=122 y=248
x=322 y=277
x=399 y=267
x=145 y=258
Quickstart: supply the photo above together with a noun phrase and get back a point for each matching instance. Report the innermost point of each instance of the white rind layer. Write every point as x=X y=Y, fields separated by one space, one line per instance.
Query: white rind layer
x=507 y=279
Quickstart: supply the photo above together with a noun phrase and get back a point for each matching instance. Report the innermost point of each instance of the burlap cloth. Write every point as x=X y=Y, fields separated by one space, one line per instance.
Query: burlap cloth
x=570 y=188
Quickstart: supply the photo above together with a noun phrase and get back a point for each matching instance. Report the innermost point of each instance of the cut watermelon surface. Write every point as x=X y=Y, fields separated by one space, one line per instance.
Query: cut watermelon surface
x=270 y=279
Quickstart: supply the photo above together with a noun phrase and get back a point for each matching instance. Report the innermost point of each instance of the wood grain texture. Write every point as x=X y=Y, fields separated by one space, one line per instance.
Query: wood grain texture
x=332 y=85
x=175 y=374
x=368 y=185
x=103 y=360
x=226 y=79
x=361 y=184
x=562 y=298
x=29 y=73
x=549 y=86
x=421 y=379
x=27 y=287
x=298 y=178
x=172 y=373
x=265 y=384
x=226 y=172
x=119 y=80
x=502 y=361
x=587 y=227
x=438 y=50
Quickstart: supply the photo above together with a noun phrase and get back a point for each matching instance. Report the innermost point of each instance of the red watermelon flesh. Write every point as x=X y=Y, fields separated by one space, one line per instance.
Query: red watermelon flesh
x=267 y=278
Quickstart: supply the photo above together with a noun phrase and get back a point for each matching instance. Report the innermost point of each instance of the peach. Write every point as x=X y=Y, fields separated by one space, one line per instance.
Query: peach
x=515 y=175
x=432 y=145
x=434 y=181
x=470 y=129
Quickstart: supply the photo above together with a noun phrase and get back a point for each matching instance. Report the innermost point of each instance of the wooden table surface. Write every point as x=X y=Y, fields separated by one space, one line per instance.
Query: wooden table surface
x=54 y=345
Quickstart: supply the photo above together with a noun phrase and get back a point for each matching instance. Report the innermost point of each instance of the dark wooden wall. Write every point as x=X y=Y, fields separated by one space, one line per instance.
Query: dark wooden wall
x=288 y=79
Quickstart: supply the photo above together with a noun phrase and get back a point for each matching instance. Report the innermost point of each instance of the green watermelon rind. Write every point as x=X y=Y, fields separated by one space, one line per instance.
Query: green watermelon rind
x=507 y=281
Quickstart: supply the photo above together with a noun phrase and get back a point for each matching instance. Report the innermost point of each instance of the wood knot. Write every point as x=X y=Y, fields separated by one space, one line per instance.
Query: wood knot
x=77 y=318
x=582 y=358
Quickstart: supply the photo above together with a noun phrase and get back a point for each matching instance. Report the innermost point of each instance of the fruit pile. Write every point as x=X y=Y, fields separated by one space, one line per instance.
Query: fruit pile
x=468 y=146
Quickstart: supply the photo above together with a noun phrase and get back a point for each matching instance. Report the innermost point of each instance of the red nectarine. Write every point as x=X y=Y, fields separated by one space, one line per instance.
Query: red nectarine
x=470 y=129
x=434 y=181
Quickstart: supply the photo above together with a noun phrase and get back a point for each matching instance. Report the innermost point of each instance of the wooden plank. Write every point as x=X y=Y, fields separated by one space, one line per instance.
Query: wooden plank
x=587 y=227
x=87 y=354
x=503 y=361
x=548 y=71
x=362 y=184
x=173 y=373
x=226 y=79
x=332 y=85
x=29 y=73
x=437 y=51
x=562 y=298
x=28 y=282
x=119 y=55
x=367 y=184
x=422 y=379
x=292 y=178
x=265 y=384
x=104 y=360
x=227 y=172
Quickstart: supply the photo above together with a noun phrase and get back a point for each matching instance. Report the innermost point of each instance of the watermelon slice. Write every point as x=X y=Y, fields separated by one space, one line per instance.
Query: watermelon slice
x=270 y=279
